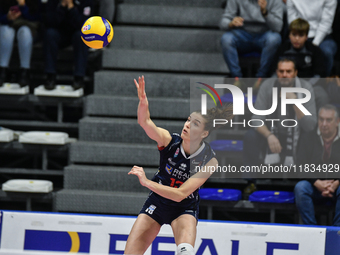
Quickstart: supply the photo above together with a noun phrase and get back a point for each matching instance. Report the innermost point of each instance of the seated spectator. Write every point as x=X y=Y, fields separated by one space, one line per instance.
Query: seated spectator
x=63 y=21
x=308 y=58
x=336 y=29
x=251 y=26
x=275 y=143
x=284 y=31
x=319 y=147
x=333 y=88
x=320 y=16
x=107 y=9
x=278 y=139
x=18 y=19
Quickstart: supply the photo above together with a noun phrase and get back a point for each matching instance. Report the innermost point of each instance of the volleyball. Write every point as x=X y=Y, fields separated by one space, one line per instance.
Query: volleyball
x=96 y=32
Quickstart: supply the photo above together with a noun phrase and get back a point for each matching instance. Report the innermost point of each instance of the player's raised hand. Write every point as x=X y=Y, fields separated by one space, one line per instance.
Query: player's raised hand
x=140 y=85
x=139 y=172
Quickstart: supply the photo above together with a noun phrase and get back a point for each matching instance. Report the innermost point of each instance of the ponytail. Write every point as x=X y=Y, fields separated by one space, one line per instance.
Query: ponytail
x=224 y=112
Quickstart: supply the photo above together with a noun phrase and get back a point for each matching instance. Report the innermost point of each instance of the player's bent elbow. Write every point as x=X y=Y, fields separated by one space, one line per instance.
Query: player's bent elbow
x=176 y=196
x=180 y=197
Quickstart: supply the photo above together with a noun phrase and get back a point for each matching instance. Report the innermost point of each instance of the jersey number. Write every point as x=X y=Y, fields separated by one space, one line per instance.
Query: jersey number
x=175 y=184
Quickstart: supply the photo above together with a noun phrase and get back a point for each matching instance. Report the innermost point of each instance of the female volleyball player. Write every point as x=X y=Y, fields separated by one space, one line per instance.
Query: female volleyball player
x=174 y=189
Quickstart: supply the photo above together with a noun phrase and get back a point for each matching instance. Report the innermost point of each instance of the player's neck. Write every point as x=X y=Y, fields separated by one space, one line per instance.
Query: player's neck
x=190 y=147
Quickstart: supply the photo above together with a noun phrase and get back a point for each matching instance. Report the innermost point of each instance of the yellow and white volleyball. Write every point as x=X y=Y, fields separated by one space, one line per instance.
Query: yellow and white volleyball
x=97 y=32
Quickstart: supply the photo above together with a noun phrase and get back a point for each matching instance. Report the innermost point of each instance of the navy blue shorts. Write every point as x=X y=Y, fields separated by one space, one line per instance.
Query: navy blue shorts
x=165 y=214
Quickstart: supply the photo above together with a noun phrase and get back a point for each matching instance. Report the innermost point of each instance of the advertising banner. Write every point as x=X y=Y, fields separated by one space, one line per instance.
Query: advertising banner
x=55 y=233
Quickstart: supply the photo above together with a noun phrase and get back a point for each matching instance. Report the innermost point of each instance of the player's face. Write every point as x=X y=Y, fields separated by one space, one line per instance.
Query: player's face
x=297 y=39
x=194 y=127
x=286 y=73
x=327 y=123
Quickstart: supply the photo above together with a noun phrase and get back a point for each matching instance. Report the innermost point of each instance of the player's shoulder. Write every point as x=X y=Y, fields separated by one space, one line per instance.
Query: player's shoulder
x=209 y=150
x=175 y=141
x=176 y=137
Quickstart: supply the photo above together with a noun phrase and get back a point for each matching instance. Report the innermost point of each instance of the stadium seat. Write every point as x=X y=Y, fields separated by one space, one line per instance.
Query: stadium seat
x=28 y=189
x=59 y=91
x=230 y=146
x=227 y=145
x=278 y=197
x=220 y=194
x=45 y=141
x=13 y=89
x=6 y=135
x=267 y=196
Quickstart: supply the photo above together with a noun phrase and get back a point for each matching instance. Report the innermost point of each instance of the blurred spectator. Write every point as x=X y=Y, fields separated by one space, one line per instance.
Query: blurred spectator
x=336 y=32
x=274 y=143
x=284 y=31
x=107 y=9
x=308 y=58
x=63 y=21
x=333 y=88
x=319 y=147
x=278 y=142
x=18 y=18
x=320 y=16
x=251 y=26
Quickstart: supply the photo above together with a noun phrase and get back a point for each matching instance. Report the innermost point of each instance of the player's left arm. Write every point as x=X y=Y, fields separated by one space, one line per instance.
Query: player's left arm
x=188 y=187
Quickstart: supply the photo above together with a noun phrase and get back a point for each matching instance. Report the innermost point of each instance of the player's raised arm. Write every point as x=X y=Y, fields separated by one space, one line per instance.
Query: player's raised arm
x=160 y=135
